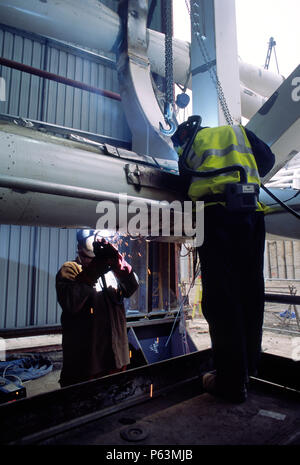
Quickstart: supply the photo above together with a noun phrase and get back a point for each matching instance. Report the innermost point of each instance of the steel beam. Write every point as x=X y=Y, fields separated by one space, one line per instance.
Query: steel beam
x=47 y=414
x=277 y=122
x=37 y=418
x=214 y=49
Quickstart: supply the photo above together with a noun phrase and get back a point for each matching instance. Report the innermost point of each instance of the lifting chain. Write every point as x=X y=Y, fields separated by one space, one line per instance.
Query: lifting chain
x=169 y=81
x=200 y=37
x=169 y=51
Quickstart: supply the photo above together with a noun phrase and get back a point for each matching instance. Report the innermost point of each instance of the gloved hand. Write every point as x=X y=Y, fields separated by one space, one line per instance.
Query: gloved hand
x=107 y=252
x=104 y=250
x=92 y=272
x=70 y=270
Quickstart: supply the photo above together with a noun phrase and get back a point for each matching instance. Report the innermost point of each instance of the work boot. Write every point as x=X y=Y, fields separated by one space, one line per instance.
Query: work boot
x=209 y=383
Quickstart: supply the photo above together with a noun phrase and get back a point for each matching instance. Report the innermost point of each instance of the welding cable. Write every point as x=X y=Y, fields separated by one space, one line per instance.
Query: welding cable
x=196 y=271
x=6 y=368
x=282 y=204
x=16 y=377
x=178 y=313
x=175 y=320
x=286 y=200
x=195 y=274
x=6 y=376
x=189 y=251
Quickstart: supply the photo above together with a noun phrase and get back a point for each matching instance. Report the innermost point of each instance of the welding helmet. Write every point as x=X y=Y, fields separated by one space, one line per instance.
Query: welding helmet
x=185 y=131
x=85 y=240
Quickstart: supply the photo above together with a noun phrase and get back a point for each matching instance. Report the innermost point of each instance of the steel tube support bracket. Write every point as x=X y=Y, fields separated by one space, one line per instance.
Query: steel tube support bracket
x=140 y=105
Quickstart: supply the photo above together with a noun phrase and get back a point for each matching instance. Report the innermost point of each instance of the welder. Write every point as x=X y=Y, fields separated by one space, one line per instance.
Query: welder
x=222 y=166
x=91 y=290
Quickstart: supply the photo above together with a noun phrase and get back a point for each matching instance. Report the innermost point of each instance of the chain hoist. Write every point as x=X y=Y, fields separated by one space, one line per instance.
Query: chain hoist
x=200 y=37
x=169 y=81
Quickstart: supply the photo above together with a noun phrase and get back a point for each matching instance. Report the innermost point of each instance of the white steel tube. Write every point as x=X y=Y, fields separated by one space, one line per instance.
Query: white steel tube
x=250 y=102
x=90 y=23
x=260 y=80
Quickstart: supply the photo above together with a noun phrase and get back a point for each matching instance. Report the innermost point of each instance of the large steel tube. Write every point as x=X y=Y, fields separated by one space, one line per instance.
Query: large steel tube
x=261 y=81
x=50 y=181
x=88 y=23
x=93 y=25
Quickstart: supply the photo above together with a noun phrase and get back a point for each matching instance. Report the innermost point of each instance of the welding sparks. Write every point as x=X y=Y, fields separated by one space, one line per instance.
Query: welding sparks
x=151 y=390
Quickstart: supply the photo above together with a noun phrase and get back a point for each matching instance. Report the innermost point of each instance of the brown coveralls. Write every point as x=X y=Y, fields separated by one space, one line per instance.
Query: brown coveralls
x=93 y=321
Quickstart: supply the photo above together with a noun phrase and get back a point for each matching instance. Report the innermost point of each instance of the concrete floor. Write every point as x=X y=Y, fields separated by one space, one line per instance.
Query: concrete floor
x=284 y=345
x=46 y=383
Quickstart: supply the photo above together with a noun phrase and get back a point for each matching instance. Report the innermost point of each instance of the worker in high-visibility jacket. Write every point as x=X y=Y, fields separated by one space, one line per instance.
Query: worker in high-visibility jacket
x=232 y=253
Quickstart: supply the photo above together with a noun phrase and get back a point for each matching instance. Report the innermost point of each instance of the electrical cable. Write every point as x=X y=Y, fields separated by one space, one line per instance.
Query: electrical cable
x=5 y=369
x=243 y=177
x=195 y=121
x=189 y=250
x=282 y=204
x=178 y=313
x=16 y=377
x=287 y=200
x=196 y=272
x=6 y=376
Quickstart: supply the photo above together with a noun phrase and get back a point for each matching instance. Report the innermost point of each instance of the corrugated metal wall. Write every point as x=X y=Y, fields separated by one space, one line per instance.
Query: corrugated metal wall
x=37 y=98
x=29 y=260
x=282 y=259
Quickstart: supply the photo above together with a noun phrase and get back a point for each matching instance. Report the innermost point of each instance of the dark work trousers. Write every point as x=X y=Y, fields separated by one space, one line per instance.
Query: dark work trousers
x=232 y=258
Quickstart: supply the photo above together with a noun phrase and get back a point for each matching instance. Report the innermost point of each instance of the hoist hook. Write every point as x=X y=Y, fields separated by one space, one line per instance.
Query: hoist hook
x=170 y=121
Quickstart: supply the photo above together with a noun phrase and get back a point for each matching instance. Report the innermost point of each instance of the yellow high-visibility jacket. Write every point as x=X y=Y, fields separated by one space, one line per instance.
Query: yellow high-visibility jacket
x=216 y=148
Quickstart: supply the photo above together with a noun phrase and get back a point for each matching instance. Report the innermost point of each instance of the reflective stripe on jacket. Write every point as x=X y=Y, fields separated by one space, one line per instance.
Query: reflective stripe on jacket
x=216 y=148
